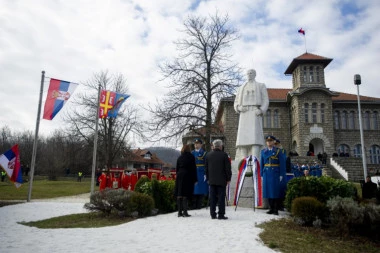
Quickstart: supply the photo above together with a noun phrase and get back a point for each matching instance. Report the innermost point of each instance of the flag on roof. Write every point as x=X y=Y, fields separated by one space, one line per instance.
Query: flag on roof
x=10 y=162
x=110 y=103
x=301 y=31
x=58 y=94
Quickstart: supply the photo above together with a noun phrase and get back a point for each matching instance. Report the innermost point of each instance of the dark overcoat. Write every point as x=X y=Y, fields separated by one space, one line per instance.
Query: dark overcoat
x=272 y=166
x=218 y=168
x=186 y=175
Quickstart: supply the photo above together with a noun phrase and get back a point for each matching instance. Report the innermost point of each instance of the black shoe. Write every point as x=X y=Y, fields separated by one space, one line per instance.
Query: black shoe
x=270 y=212
x=185 y=214
x=180 y=215
x=275 y=212
x=213 y=217
x=222 y=217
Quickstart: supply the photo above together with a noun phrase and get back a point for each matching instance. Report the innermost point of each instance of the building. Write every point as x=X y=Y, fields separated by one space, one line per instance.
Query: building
x=311 y=117
x=142 y=159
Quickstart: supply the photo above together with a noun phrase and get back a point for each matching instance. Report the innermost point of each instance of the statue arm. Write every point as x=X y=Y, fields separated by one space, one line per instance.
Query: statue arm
x=237 y=101
x=264 y=99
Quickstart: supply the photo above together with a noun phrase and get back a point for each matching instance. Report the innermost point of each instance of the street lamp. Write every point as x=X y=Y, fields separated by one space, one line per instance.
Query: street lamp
x=357 y=82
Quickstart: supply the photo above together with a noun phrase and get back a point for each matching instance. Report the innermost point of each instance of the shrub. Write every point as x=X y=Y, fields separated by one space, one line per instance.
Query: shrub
x=140 y=183
x=322 y=188
x=142 y=203
x=345 y=214
x=121 y=202
x=307 y=210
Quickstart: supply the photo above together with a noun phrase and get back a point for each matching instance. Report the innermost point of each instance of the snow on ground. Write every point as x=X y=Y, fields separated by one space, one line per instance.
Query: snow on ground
x=162 y=233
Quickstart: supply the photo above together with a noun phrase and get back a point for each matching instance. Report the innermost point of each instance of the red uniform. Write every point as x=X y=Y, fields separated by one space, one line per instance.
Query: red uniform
x=125 y=181
x=133 y=181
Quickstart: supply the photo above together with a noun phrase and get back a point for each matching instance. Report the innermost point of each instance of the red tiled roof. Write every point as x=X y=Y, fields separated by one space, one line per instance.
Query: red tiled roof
x=137 y=155
x=307 y=58
x=351 y=97
x=277 y=94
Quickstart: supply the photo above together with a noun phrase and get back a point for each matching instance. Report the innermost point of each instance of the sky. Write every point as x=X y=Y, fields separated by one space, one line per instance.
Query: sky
x=162 y=233
x=74 y=39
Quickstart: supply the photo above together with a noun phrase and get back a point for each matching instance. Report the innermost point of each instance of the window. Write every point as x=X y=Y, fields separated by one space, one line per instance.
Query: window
x=343 y=150
x=147 y=156
x=268 y=117
x=275 y=119
x=375 y=120
x=314 y=112
x=336 y=119
x=351 y=120
x=366 y=121
x=358 y=150
x=306 y=113
x=304 y=72
x=317 y=73
x=374 y=153
x=344 y=120
x=311 y=74
x=322 y=113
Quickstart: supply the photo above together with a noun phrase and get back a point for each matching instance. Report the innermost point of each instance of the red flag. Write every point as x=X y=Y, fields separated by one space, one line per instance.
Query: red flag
x=301 y=31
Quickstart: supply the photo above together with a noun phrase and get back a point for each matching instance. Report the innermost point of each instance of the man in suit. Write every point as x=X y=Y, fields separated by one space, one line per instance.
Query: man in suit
x=218 y=175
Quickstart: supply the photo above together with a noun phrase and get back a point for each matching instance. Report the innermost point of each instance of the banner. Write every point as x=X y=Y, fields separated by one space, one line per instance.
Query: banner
x=10 y=162
x=58 y=94
x=110 y=103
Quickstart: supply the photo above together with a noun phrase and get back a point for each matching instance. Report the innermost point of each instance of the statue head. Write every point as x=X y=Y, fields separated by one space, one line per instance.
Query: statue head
x=251 y=73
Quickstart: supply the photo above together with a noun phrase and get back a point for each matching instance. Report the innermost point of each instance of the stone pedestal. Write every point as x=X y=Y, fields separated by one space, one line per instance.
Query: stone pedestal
x=246 y=195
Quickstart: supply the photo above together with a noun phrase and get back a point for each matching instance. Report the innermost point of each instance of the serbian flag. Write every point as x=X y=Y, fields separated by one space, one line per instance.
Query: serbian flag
x=10 y=162
x=301 y=31
x=110 y=103
x=58 y=94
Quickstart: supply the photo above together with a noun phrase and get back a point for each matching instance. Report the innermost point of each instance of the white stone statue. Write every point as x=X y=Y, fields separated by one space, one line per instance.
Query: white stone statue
x=251 y=103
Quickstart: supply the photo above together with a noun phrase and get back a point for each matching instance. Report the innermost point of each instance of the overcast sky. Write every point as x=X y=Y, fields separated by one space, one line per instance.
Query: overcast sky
x=73 y=39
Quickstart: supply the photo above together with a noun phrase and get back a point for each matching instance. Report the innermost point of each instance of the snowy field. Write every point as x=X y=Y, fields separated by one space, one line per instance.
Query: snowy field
x=162 y=233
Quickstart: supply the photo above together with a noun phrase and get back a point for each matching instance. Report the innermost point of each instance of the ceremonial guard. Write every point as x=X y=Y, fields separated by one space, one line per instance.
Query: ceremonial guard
x=272 y=169
x=201 y=188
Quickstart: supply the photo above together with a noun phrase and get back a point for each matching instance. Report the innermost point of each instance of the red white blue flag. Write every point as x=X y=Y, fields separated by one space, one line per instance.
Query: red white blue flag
x=58 y=94
x=10 y=163
x=301 y=31
x=110 y=103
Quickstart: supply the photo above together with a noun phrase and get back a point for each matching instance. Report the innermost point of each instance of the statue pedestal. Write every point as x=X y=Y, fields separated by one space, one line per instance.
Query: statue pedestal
x=246 y=196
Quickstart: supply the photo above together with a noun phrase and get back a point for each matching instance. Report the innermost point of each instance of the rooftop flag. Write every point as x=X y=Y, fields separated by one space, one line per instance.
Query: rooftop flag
x=301 y=31
x=10 y=162
x=110 y=103
x=58 y=94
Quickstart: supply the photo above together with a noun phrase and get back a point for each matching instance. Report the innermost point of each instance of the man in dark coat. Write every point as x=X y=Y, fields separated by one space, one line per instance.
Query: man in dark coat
x=272 y=169
x=186 y=177
x=218 y=175
x=369 y=189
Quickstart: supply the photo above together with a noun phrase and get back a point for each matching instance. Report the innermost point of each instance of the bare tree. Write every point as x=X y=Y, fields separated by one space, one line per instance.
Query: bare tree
x=113 y=132
x=200 y=75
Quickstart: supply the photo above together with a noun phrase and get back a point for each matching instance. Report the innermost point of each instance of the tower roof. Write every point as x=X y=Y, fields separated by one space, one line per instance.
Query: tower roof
x=305 y=59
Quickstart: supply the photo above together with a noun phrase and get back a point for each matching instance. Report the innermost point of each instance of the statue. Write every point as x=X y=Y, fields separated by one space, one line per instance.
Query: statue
x=251 y=102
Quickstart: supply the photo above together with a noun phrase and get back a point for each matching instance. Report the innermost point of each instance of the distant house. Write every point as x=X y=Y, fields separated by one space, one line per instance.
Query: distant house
x=142 y=159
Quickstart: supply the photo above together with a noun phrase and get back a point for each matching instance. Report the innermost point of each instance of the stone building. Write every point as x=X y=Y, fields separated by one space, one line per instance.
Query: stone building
x=310 y=116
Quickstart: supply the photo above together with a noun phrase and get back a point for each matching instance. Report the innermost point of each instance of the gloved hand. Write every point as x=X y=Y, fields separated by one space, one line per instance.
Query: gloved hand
x=204 y=178
x=280 y=178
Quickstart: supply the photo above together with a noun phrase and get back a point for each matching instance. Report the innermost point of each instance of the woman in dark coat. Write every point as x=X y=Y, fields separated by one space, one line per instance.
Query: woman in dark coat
x=185 y=179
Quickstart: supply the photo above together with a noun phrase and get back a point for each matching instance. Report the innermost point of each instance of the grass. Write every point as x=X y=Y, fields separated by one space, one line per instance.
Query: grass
x=285 y=236
x=82 y=220
x=43 y=189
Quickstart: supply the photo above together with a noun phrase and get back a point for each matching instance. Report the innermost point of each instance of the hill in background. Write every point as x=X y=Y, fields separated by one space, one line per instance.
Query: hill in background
x=168 y=155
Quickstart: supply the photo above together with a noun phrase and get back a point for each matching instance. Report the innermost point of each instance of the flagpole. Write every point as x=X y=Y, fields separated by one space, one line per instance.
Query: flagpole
x=95 y=143
x=36 y=138
x=305 y=43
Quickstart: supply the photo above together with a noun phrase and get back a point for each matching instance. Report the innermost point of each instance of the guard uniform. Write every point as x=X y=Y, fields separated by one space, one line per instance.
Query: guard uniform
x=272 y=167
x=201 y=188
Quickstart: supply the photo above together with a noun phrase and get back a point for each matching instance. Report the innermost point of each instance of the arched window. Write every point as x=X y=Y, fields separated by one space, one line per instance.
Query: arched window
x=344 y=120
x=366 y=121
x=343 y=150
x=311 y=74
x=336 y=120
x=358 y=150
x=375 y=120
x=322 y=112
x=269 y=119
x=275 y=119
x=351 y=120
x=314 y=112
x=374 y=153
x=306 y=113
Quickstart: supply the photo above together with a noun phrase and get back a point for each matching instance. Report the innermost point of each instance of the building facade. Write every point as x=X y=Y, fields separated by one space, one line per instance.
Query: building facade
x=310 y=116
